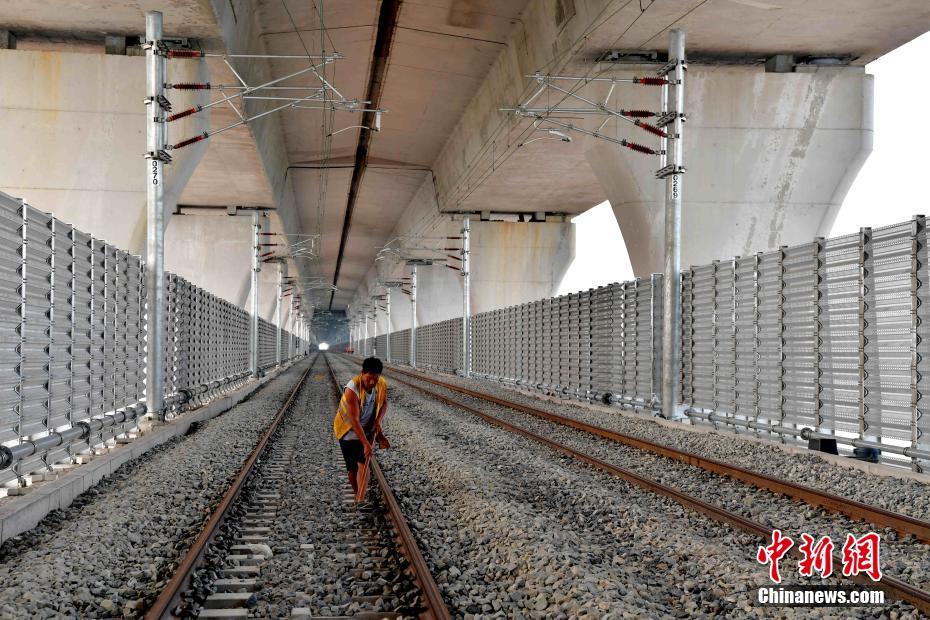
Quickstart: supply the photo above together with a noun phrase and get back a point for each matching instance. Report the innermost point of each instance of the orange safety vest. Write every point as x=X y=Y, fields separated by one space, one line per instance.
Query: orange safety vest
x=342 y=423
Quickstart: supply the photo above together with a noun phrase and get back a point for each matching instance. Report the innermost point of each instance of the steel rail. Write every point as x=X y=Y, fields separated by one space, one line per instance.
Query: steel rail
x=891 y=585
x=436 y=605
x=875 y=515
x=170 y=596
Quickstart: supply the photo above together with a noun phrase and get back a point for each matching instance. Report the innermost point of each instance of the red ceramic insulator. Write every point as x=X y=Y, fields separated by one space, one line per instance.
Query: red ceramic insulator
x=637 y=113
x=189 y=141
x=175 y=117
x=652 y=129
x=650 y=81
x=639 y=148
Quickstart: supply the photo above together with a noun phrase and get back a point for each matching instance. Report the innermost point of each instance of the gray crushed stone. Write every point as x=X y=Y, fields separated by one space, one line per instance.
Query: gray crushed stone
x=514 y=530
x=110 y=553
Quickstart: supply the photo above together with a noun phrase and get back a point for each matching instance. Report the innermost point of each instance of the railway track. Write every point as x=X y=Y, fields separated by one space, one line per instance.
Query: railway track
x=436 y=608
x=221 y=574
x=877 y=516
x=894 y=587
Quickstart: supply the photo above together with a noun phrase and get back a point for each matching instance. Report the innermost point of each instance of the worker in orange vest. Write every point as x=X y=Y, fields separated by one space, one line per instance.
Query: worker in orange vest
x=358 y=419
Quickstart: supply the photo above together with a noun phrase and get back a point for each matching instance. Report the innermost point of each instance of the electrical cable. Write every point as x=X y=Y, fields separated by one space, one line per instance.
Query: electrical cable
x=521 y=137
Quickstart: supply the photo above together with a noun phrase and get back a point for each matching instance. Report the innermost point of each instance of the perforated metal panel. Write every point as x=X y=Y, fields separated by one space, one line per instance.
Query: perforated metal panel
x=34 y=339
x=72 y=333
x=266 y=343
x=10 y=301
x=400 y=346
x=830 y=337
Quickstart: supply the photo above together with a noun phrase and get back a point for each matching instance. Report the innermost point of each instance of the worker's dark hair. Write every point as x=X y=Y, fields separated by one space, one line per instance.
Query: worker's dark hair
x=372 y=364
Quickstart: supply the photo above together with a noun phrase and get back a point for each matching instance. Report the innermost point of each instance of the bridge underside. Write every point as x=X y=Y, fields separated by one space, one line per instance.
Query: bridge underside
x=771 y=147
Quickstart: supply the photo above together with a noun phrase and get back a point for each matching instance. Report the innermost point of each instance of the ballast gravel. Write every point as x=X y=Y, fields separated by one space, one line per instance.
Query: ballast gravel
x=110 y=553
x=907 y=559
x=514 y=530
x=317 y=563
x=906 y=496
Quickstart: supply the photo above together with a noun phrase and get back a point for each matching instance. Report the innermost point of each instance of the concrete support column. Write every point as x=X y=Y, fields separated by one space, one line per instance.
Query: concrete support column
x=770 y=158
x=509 y=263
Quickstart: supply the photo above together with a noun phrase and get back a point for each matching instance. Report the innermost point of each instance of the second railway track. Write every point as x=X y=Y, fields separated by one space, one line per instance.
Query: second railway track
x=903 y=524
x=906 y=561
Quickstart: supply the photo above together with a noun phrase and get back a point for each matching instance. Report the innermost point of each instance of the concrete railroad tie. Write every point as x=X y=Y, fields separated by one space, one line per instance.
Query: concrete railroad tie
x=240 y=582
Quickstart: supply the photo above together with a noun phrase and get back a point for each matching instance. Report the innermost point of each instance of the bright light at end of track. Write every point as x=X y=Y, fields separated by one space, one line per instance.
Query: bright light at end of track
x=324 y=346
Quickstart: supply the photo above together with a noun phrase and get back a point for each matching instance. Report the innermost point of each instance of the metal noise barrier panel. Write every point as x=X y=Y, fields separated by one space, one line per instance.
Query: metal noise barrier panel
x=400 y=347
x=72 y=341
x=825 y=340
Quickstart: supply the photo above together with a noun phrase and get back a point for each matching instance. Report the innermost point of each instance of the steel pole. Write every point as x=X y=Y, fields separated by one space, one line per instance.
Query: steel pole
x=155 y=327
x=365 y=341
x=277 y=346
x=256 y=269
x=374 y=326
x=291 y=328
x=466 y=299
x=671 y=310
x=387 y=332
x=413 y=317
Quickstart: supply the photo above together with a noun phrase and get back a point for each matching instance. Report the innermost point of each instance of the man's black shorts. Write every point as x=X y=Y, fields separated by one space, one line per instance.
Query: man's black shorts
x=353 y=452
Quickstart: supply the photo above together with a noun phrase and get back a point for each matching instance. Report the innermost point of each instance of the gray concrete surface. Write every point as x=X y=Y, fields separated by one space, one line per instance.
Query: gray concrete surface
x=773 y=153
x=770 y=158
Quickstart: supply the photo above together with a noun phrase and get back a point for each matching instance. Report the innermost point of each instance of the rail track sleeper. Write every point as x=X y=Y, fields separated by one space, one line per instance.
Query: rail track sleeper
x=235 y=585
x=255 y=540
x=224 y=613
x=226 y=600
